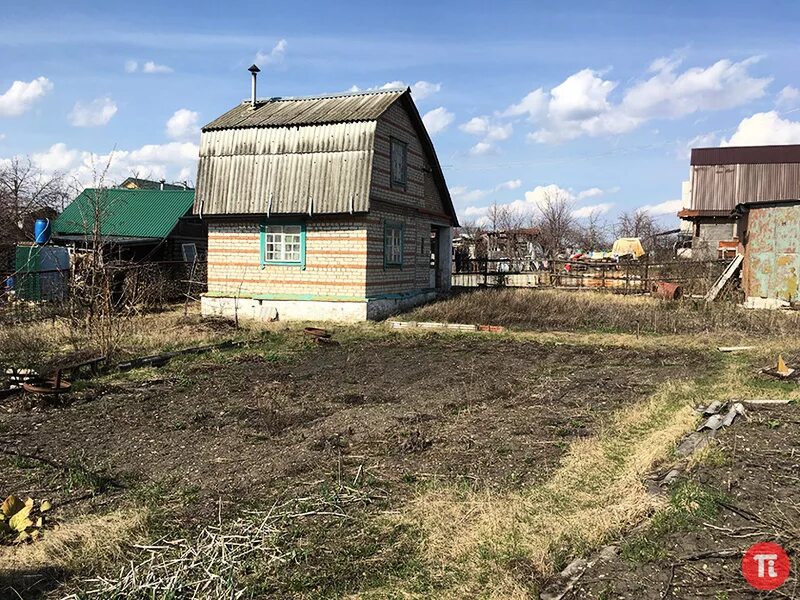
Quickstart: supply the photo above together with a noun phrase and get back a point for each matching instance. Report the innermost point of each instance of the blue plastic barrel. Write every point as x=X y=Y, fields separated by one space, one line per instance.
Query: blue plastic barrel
x=41 y=231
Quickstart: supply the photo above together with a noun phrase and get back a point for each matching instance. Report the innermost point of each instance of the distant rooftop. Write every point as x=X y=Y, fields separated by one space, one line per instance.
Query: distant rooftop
x=136 y=183
x=746 y=155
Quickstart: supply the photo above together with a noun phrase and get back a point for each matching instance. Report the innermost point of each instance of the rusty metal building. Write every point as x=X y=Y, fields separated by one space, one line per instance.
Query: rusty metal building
x=770 y=243
x=721 y=179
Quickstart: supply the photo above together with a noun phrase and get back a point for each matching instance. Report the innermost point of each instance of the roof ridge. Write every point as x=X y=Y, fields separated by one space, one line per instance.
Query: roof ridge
x=393 y=90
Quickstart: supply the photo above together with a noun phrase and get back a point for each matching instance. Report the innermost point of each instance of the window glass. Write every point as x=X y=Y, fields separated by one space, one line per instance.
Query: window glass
x=393 y=244
x=283 y=243
x=399 y=162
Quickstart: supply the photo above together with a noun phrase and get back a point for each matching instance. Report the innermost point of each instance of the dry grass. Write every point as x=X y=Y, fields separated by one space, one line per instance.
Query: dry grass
x=487 y=537
x=39 y=343
x=80 y=545
x=565 y=310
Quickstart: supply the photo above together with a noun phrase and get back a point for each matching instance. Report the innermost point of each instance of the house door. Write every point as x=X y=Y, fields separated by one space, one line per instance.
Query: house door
x=435 y=272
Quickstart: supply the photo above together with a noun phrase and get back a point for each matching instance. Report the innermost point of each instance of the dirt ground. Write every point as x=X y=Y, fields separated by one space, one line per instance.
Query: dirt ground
x=491 y=411
x=755 y=470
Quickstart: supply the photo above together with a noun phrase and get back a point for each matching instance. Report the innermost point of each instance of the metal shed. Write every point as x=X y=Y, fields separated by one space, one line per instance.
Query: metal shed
x=771 y=249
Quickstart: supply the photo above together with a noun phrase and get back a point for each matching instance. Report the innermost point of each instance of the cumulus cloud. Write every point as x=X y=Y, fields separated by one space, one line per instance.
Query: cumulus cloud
x=488 y=128
x=511 y=184
x=590 y=193
x=592 y=209
x=153 y=67
x=274 y=56
x=788 y=97
x=582 y=105
x=150 y=67
x=668 y=207
x=482 y=148
x=172 y=161
x=437 y=120
x=463 y=194
x=419 y=90
x=96 y=113
x=704 y=140
x=533 y=199
x=21 y=96
x=183 y=124
x=763 y=129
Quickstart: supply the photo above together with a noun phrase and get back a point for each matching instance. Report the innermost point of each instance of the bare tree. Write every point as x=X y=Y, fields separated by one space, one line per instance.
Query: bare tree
x=593 y=233
x=555 y=222
x=27 y=193
x=636 y=224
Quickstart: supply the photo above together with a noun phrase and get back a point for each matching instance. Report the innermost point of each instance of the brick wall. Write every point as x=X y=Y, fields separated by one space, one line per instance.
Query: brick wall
x=335 y=260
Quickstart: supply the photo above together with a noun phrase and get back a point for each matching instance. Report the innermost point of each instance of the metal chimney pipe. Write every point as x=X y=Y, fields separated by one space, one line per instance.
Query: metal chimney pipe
x=254 y=71
x=161 y=183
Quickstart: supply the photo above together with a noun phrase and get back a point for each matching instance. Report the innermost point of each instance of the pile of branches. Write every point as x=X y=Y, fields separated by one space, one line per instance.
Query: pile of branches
x=214 y=565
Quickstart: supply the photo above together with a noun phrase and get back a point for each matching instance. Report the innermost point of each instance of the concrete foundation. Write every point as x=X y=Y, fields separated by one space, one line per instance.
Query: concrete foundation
x=343 y=311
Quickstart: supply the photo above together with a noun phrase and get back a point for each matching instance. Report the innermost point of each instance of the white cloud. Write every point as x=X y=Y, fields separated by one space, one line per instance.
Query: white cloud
x=274 y=56
x=511 y=184
x=461 y=193
x=593 y=192
x=92 y=114
x=533 y=199
x=763 y=129
x=704 y=140
x=21 y=96
x=669 y=207
x=423 y=89
x=534 y=105
x=56 y=158
x=172 y=161
x=582 y=104
x=487 y=128
x=131 y=66
x=152 y=67
x=419 y=90
x=482 y=148
x=588 y=211
x=788 y=97
x=437 y=120
x=183 y=124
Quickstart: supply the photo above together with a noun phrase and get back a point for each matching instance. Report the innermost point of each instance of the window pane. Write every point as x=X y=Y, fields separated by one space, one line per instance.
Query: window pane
x=283 y=243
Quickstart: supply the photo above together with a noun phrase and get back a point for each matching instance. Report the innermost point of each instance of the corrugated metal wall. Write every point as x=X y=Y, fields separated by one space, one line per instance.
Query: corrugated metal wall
x=722 y=187
x=772 y=261
x=322 y=169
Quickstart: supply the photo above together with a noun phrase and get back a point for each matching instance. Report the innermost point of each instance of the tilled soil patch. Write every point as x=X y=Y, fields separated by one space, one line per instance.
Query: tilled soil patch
x=494 y=411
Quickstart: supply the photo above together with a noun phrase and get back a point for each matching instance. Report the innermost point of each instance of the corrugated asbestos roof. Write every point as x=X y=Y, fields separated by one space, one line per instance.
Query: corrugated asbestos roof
x=125 y=213
x=317 y=169
x=308 y=155
x=312 y=110
x=746 y=155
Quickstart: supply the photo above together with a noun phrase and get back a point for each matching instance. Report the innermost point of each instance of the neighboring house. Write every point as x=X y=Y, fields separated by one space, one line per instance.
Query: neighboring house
x=722 y=178
x=325 y=207
x=135 y=183
x=134 y=224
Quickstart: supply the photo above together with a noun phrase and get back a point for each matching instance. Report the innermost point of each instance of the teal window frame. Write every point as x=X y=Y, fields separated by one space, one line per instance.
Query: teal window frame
x=387 y=225
x=282 y=263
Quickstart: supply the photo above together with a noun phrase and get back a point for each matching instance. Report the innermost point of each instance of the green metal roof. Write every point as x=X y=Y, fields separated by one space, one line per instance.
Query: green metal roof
x=125 y=213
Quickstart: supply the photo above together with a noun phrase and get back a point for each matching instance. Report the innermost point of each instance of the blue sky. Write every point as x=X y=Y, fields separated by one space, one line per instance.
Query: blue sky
x=600 y=100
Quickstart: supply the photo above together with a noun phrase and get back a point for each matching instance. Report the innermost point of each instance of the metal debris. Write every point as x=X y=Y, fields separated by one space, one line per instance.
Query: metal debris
x=721 y=415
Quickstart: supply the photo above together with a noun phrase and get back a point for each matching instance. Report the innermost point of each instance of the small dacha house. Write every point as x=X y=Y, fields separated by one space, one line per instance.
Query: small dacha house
x=327 y=207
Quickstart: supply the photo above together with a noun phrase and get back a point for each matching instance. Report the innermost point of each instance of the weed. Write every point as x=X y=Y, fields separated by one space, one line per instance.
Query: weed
x=689 y=504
